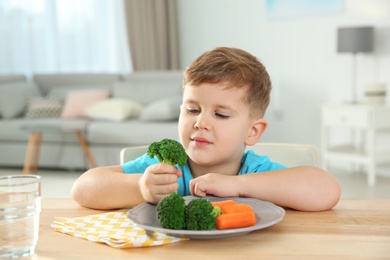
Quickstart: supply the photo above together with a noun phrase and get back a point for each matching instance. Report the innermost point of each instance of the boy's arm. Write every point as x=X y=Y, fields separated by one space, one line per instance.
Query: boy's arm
x=107 y=188
x=302 y=188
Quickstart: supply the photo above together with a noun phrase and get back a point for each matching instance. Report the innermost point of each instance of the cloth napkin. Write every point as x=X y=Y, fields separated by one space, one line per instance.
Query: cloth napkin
x=113 y=229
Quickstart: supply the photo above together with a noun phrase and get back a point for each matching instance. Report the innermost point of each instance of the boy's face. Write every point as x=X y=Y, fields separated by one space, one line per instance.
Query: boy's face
x=214 y=124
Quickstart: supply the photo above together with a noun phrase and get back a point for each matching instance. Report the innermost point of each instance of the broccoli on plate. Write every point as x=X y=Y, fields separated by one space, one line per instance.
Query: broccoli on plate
x=168 y=151
x=200 y=214
x=170 y=211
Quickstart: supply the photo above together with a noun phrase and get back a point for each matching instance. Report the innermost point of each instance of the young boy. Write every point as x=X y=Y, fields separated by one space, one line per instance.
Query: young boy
x=225 y=94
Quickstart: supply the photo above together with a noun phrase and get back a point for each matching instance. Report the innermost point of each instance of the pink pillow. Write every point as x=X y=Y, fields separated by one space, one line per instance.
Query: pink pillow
x=77 y=101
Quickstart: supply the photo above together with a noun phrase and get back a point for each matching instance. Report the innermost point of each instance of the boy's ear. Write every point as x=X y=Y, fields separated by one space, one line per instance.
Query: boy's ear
x=256 y=131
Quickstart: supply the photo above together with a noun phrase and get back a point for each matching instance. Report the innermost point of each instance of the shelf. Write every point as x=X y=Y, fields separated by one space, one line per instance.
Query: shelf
x=350 y=153
x=373 y=119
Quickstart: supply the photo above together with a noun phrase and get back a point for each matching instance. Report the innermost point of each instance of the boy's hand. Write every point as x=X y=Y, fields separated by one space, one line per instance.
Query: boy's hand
x=215 y=184
x=158 y=181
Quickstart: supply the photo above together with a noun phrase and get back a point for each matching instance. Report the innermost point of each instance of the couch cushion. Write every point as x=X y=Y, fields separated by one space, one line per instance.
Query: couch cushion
x=12 y=78
x=13 y=98
x=47 y=82
x=131 y=132
x=164 y=109
x=63 y=91
x=149 y=86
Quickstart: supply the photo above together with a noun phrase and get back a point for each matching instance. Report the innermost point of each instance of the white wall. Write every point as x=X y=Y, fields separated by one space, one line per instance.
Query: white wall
x=300 y=54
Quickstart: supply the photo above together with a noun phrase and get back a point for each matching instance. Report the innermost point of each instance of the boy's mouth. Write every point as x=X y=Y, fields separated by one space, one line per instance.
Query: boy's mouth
x=200 y=141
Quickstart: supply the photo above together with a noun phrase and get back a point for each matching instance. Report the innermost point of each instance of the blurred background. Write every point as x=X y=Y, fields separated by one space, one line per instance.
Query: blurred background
x=296 y=40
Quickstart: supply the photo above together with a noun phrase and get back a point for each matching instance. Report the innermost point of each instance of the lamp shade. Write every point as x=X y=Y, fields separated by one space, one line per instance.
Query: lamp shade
x=355 y=39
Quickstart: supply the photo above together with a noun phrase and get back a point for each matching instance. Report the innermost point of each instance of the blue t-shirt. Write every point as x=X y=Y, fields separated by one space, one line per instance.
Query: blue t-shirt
x=251 y=162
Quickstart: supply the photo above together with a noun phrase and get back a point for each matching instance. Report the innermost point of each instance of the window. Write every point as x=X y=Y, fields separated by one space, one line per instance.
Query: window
x=63 y=36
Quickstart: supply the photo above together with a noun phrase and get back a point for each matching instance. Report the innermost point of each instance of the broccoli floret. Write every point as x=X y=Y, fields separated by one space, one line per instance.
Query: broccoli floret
x=200 y=215
x=168 y=151
x=216 y=211
x=170 y=211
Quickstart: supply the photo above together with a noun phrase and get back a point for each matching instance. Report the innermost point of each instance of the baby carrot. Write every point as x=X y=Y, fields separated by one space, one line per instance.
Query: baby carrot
x=223 y=203
x=235 y=208
x=236 y=220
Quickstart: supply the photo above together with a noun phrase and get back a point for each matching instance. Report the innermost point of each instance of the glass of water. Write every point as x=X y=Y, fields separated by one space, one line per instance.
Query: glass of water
x=20 y=206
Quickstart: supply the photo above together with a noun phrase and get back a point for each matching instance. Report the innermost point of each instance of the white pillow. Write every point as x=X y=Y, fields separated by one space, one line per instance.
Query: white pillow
x=114 y=109
x=165 y=109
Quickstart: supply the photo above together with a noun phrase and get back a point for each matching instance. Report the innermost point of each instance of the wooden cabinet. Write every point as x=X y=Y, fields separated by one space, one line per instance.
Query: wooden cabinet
x=365 y=122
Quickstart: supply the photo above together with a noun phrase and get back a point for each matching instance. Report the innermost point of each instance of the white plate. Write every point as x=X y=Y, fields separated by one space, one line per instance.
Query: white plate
x=267 y=214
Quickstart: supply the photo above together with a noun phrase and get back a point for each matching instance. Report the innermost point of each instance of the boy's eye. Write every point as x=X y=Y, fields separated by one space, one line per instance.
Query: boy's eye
x=222 y=116
x=192 y=111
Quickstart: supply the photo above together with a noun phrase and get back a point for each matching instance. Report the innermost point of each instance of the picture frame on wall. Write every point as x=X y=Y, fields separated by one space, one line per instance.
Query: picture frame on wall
x=287 y=9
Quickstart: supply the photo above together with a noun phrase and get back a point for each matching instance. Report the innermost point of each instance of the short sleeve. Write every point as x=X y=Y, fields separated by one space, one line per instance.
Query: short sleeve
x=138 y=165
x=252 y=162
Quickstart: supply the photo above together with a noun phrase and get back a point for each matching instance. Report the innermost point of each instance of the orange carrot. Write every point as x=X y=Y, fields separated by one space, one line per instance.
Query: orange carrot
x=223 y=203
x=236 y=220
x=235 y=208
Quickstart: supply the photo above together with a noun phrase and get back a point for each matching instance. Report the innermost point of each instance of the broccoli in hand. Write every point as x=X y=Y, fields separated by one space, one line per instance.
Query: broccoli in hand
x=168 y=151
x=170 y=211
x=201 y=215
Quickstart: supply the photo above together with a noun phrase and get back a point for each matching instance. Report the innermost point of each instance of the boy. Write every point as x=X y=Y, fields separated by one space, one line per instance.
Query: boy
x=225 y=94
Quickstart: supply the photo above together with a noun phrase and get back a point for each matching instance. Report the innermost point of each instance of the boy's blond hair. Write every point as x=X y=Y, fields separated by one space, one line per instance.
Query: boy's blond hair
x=237 y=69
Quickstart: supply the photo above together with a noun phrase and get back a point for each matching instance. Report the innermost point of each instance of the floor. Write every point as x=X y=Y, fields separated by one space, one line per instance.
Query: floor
x=57 y=184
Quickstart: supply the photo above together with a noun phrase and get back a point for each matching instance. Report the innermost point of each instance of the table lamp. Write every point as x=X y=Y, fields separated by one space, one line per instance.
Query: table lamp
x=354 y=40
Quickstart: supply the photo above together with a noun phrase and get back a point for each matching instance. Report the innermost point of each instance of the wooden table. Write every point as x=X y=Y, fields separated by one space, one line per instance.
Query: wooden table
x=353 y=229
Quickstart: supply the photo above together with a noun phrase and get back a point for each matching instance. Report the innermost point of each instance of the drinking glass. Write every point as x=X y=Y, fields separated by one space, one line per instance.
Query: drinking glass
x=20 y=206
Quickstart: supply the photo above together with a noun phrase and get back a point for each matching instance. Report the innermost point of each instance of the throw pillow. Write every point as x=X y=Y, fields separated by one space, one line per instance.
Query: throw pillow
x=39 y=107
x=77 y=101
x=13 y=98
x=165 y=109
x=114 y=109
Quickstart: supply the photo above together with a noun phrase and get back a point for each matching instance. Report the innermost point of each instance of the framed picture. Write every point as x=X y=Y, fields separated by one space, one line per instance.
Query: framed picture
x=282 y=9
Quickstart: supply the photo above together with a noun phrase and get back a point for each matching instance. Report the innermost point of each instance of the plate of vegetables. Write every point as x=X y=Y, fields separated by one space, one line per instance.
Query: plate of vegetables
x=205 y=218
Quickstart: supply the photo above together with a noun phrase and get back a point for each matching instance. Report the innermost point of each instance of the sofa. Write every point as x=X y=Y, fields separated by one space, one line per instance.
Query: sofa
x=113 y=111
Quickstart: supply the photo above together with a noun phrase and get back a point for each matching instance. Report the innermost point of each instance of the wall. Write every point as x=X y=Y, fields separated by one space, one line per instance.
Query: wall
x=300 y=54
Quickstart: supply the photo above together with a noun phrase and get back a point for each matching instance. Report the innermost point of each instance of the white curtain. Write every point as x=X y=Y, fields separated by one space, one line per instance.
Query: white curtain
x=63 y=36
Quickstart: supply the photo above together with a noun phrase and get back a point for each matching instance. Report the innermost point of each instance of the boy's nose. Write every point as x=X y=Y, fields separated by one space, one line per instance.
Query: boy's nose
x=201 y=123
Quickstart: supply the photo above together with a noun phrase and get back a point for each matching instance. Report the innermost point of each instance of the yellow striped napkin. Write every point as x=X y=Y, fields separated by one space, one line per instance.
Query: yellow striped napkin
x=113 y=229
